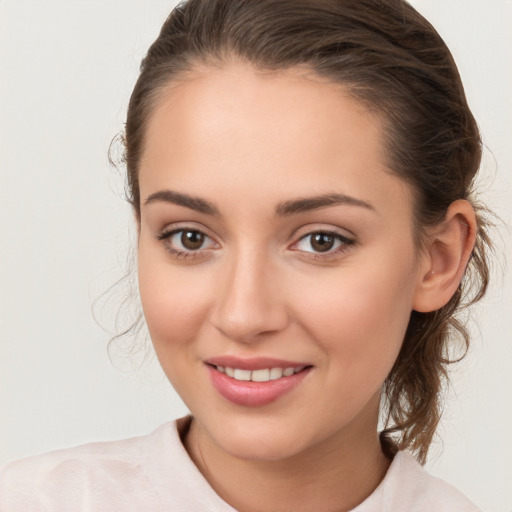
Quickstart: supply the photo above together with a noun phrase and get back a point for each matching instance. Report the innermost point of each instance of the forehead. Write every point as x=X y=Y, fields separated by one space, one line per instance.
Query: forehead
x=264 y=135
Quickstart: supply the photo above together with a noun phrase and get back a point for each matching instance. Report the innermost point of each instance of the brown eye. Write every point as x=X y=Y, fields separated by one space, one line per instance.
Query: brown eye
x=186 y=243
x=192 y=240
x=322 y=242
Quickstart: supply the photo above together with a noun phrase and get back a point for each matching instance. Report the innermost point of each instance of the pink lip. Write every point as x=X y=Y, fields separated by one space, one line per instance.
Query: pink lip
x=255 y=394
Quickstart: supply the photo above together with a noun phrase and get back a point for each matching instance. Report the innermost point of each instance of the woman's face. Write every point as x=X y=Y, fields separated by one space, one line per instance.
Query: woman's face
x=272 y=236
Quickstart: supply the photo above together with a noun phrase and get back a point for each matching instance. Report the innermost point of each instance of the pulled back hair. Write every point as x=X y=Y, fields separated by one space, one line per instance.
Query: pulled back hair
x=389 y=58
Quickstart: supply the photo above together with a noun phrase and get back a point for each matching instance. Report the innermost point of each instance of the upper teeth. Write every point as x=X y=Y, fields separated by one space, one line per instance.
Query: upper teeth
x=263 y=375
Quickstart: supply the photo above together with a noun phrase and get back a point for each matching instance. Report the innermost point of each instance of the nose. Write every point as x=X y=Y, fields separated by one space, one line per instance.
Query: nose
x=248 y=305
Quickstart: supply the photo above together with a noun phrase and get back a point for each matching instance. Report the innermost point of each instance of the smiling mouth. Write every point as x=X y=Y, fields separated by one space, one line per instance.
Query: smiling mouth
x=261 y=375
x=255 y=382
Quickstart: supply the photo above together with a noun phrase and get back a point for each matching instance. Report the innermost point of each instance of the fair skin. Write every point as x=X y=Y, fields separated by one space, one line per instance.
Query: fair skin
x=254 y=282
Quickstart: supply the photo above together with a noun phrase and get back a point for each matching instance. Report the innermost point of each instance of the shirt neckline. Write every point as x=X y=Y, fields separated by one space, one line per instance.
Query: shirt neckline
x=169 y=467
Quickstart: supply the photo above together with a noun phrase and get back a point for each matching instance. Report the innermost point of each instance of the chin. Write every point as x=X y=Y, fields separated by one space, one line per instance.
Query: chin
x=263 y=440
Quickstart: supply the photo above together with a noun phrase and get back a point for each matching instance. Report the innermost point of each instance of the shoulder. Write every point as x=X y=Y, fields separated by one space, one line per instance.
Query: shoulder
x=102 y=473
x=409 y=487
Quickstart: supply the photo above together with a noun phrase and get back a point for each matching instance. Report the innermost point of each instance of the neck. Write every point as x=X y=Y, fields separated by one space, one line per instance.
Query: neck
x=335 y=475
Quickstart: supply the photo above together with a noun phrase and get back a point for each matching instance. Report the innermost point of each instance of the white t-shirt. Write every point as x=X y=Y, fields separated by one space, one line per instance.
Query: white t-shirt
x=154 y=473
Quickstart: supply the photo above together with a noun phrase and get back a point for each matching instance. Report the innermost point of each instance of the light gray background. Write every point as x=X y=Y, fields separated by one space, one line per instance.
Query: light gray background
x=66 y=72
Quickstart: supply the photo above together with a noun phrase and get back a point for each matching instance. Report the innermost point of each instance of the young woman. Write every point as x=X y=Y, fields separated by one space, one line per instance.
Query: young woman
x=301 y=176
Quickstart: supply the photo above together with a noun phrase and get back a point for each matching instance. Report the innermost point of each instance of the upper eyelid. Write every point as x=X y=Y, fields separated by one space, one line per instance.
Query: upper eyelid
x=326 y=232
x=335 y=230
x=173 y=228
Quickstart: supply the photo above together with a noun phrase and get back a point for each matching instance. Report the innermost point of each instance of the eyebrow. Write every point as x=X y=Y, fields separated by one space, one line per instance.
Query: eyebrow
x=194 y=203
x=284 y=209
x=322 y=201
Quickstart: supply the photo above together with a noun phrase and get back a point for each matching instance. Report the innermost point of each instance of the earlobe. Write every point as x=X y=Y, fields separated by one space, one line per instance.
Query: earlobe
x=447 y=253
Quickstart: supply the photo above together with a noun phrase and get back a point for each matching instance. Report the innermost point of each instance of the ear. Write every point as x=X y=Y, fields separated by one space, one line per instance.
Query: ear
x=447 y=253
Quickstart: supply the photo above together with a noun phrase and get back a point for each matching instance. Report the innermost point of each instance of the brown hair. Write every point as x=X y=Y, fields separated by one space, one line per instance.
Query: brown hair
x=393 y=61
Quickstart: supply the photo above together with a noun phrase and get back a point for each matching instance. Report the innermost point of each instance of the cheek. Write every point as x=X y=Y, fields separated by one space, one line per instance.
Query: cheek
x=174 y=303
x=358 y=317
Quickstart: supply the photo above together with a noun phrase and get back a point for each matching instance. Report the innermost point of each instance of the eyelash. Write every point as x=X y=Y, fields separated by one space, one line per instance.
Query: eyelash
x=345 y=244
x=179 y=254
